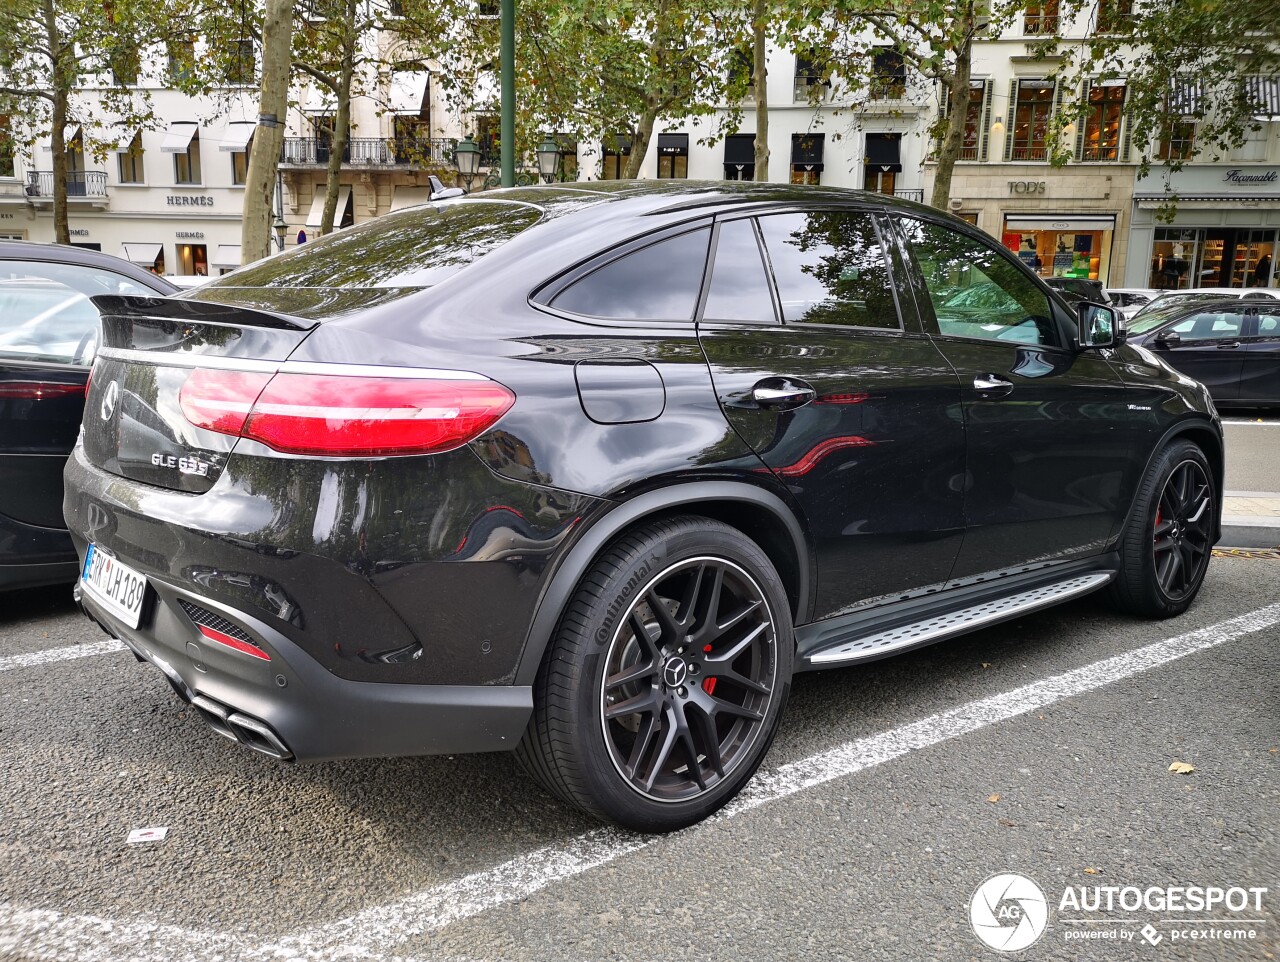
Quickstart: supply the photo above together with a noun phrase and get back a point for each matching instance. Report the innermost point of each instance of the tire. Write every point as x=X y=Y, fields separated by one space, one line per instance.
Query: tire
x=1167 y=541
x=705 y=694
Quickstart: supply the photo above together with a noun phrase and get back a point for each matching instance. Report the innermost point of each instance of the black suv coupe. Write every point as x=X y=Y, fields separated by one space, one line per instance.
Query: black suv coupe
x=589 y=471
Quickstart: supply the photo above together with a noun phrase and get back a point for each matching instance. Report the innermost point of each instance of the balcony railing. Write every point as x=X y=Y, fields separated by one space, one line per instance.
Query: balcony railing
x=369 y=152
x=910 y=193
x=1030 y=153
x=1093 y=152
x=80 y=183
x=1040 y=24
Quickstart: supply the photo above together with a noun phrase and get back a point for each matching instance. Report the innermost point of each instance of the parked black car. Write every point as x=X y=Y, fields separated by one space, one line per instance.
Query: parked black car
x=1231 y=345
x=1079 y=289
x=589 y=471
x=48 y=335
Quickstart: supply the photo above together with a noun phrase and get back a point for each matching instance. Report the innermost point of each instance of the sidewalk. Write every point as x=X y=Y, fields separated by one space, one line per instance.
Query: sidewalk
x=1250 y=519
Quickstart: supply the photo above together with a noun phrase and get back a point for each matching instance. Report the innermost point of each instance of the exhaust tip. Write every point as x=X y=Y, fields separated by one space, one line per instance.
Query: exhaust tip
x=258 y=736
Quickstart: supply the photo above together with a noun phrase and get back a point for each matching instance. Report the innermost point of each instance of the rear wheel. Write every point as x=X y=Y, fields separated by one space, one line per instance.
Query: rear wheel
x=1168 y=539
x=665 y=683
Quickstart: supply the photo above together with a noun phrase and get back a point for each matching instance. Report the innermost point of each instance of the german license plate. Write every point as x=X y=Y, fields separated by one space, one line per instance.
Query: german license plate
x=115 y=585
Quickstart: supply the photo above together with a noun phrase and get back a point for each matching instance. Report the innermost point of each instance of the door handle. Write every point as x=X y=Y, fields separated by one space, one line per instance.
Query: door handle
x=1229 y=347
x=991 y=386
x=780 y=393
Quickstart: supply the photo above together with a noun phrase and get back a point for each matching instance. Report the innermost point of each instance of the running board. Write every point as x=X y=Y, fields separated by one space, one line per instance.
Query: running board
x=918 y=633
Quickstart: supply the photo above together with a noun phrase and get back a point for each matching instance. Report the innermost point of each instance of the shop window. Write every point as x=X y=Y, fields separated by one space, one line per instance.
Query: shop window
x=240 y=164
x=1173 y=258
x=1077 y=251
x=1033 y=103
x=740 y=157
x=1254 y=256
x=7 y=166
x=186 y=164
x=193 y=260
x=129 y=161
x=976 y=121
x=1041 y=18
x=808 y=79
x=882 y=162
x=616 y=150
x=806 y=158
x=673 y=156
x=1100 y=134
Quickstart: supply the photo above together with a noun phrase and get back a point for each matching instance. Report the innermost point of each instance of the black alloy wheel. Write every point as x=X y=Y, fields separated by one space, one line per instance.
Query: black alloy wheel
x=1167 y=541
x=1183 y=533
x=665 y=683
x=688 y=679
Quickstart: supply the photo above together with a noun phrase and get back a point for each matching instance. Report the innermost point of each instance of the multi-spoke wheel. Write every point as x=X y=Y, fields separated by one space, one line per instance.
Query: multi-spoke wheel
x=1166 y=544
x=665 y=684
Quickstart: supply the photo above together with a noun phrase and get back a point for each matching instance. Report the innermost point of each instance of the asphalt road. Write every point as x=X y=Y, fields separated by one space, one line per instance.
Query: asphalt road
x=894 y=790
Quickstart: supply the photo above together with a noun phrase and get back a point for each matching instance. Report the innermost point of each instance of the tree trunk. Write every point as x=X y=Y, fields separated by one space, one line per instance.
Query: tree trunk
x=341 y=123
x=760 y=20
x=953 y=133
x=264 y=158
x=643 y=134
x=62 y=81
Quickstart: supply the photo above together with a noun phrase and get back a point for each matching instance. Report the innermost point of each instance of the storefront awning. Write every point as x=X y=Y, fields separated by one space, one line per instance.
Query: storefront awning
x=125 y=143
x=622 y=149
x=409 y=197
x=1080 y=222
x=226 y=255
x=317 y=206
x=1153 y=201
x=806 y=150
x=884 y=152
x=739 y=149
x=675 y=145
x=177 y=139
x=144 y=255
x=69 y=133
x=237 y=135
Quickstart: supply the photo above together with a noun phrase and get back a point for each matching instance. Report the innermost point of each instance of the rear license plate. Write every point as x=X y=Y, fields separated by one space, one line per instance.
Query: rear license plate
x=119 y=588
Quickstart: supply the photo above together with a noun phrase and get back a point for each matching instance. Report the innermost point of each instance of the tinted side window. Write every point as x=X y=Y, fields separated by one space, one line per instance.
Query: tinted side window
x=1210 y=325
x=1268 y=321
x=976 y=291
x=739 y=287
x=658 y=282
x=45 y=311
x=830 y=268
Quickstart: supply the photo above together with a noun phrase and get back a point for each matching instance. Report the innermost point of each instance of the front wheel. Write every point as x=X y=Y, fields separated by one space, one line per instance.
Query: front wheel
x=666 y=681
x=1167 y=542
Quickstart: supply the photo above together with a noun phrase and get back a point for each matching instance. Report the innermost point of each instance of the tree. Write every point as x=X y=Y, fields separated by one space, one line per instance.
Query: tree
x=1200 y=65
x=759 y=36
x=47 y=46
x=264 y=159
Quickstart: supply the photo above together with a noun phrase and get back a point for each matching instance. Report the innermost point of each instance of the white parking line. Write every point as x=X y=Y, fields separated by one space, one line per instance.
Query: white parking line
x=372 y=933
x=61 y=654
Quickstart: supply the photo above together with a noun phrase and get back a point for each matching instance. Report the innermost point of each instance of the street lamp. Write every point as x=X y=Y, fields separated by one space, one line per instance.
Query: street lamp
x=466 y=158
x=549 y=156
x=280 y=228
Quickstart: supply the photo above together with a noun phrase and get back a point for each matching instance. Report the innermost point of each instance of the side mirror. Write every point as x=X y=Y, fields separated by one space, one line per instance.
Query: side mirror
x=1169 y=339
x=1099 y=325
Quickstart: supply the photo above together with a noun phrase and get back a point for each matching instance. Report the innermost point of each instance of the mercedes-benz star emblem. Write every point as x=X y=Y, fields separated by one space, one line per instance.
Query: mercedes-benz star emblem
x=109 y=400
x=674 y=672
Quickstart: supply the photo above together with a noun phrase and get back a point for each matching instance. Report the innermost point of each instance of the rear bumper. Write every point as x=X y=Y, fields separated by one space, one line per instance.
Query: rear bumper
x=292 y=707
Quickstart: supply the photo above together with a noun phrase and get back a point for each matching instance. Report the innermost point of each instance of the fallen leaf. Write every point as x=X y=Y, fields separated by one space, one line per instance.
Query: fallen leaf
x=986 y=664
x=1181 y=768
x=1091 y=871
x=993 y=798
x=1007 y=823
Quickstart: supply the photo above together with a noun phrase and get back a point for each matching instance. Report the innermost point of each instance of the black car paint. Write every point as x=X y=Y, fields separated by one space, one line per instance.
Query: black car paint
x=451 y=571
x=37 y=434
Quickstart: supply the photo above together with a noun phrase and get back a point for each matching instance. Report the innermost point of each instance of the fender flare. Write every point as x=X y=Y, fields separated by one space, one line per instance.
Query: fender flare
x=575 y=564
x=1189 y=423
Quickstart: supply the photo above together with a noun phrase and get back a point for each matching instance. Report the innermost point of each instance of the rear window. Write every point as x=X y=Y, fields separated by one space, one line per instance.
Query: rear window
x=417 y=247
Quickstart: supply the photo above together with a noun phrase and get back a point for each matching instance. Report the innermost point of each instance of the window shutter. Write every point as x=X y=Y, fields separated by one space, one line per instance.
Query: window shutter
x=1124 y=129
x=1082 y=122
x=984 y=135
x=1008 y=129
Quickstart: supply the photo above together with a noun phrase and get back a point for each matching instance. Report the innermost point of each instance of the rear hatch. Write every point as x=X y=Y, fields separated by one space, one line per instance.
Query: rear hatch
x=134 y=424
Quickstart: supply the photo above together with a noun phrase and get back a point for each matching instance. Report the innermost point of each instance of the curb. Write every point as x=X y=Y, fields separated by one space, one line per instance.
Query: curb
x=1251 y=530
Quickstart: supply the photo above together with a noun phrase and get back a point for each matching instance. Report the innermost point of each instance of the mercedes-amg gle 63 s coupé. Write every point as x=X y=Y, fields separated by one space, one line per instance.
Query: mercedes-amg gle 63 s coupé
x=590 y=471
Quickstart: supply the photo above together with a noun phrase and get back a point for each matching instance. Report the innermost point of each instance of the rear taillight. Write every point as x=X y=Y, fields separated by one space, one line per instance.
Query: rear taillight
x=39 y=390
x=338 y=414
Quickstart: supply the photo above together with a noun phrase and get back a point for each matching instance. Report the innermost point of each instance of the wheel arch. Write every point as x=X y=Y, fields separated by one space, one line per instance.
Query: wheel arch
x=759 y=514
x=1204 y=434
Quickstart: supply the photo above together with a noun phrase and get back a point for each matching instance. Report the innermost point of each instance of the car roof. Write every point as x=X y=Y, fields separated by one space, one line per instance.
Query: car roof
x=66 y=254
x=1224 y=291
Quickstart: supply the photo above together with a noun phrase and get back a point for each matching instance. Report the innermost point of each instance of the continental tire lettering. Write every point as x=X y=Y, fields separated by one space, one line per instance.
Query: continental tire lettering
x=622 y=598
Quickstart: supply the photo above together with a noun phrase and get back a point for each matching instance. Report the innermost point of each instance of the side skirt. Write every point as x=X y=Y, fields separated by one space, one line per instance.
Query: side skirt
x=892 y=629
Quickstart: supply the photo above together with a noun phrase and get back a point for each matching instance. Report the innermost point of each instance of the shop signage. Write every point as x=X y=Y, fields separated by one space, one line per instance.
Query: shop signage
x=1027 y=186
x=1239 y=176
x=6 y=217
x=78 y=232
x=189 y=235
x=188 y=200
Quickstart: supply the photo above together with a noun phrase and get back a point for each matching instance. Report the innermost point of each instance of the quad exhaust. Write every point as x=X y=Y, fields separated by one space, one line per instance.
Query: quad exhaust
x=239 y=727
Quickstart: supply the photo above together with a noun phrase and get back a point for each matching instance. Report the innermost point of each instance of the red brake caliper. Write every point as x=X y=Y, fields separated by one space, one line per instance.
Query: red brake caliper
x=1158 y=516
x=708 y=683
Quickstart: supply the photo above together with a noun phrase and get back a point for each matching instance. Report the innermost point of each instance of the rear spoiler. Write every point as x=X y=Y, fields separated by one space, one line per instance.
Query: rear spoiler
x=181 y=310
